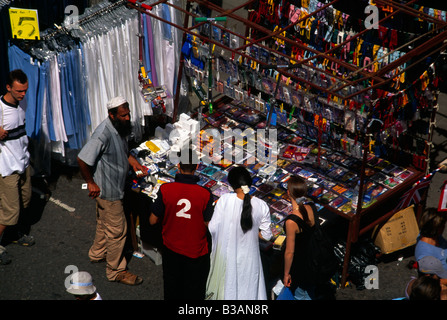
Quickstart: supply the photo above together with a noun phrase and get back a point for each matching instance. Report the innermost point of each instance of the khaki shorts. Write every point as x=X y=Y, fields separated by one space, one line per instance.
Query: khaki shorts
x=15 y=194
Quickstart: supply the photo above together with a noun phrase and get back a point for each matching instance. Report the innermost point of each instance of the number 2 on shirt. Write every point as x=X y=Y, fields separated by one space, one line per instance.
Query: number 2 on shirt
x=182 y=213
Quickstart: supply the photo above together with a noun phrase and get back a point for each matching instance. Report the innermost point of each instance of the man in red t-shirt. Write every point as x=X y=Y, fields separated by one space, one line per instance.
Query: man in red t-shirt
x=184 y=210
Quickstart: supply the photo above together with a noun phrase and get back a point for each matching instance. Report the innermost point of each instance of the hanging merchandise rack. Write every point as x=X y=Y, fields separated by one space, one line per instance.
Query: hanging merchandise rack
x=323 y=51
x=85 y=19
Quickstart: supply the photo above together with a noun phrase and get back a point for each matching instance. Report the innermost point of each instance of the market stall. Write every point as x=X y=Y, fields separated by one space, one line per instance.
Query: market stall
x=343 y=97
x=354 y=107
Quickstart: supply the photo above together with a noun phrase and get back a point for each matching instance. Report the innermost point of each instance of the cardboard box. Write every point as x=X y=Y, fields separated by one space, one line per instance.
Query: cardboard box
x=399 y=232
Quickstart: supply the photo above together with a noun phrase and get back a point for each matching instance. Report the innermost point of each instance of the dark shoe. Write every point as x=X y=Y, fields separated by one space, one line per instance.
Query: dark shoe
x=128 y=278
x=25 y=240
x=4 y=256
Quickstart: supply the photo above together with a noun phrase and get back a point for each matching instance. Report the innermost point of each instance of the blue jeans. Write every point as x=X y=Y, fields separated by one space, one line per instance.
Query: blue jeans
x=304 y=294
x=314 y=292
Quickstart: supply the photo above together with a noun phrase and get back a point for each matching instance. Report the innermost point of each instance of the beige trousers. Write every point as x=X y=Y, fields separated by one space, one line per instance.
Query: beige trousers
x=15 y=194
x=110 y=238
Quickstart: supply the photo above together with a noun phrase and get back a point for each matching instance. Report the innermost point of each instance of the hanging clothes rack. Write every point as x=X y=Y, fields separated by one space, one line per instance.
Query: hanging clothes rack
x=93 y=15
x=354 y=71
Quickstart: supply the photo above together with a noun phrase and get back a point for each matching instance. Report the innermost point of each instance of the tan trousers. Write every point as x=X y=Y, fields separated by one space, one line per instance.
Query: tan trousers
x=15 y=194
x=110 y=238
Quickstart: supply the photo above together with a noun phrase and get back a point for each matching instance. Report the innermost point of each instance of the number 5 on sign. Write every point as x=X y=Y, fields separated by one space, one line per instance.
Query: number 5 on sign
x=24 y=24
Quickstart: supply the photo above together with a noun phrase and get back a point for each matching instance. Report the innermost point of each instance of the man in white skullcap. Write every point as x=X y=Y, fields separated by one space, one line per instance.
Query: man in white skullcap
x=104 y=163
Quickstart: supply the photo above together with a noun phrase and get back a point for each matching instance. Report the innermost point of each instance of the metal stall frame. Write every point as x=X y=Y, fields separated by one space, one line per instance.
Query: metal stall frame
x=428 y=44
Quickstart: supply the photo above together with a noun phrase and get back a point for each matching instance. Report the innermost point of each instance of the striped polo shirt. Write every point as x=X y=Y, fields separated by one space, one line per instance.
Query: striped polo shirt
x=107 y=153
x=14 y=155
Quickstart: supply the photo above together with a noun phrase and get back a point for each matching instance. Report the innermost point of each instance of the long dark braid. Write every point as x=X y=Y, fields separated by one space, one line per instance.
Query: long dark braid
x=239 y=177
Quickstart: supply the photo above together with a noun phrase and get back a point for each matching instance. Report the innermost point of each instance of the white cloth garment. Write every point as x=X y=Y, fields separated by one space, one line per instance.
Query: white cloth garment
x=56 y=109
x=111 y=62
x=166 y=41
x=236 y=269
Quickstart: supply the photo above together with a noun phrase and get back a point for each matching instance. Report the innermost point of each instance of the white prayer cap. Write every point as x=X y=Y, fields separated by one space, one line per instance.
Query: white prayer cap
x=116 y=102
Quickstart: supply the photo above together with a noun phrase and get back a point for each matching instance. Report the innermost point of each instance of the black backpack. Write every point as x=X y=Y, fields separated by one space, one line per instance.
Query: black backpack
x=319 y=261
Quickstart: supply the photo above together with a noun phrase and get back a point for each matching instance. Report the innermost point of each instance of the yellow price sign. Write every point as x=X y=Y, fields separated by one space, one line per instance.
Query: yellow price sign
x=24 y=23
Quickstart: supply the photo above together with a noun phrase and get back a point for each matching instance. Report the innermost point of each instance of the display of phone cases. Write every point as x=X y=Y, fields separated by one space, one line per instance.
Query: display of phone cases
x=405 y=174
x=346 y=208
x=317 y=192
x=211 y=183
x=220 y=190
x=210 y=170
x=280 y=205
x=203 y=180
x=333 y=177
x=340 y=189
x=265 y=188
x=173 y=171
x=392 y=182
x=327 y=197
x=338 y=202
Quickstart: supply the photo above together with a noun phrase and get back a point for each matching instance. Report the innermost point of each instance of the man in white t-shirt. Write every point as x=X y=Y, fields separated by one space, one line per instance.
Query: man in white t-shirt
x=15 y=178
